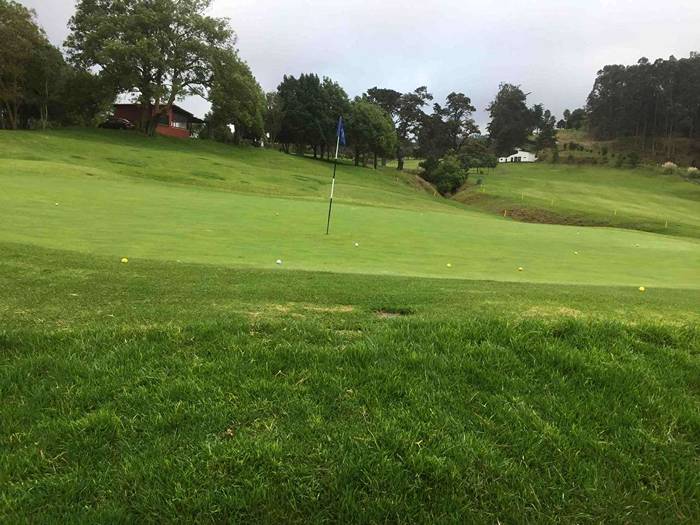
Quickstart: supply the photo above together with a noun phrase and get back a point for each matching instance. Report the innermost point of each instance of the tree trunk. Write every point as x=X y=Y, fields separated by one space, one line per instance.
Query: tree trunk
x=399 y=158
x=357 y=157
x=375 y=161
x=13 y=114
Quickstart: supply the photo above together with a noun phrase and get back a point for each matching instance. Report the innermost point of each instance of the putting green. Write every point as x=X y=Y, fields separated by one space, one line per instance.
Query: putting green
x=92 y=206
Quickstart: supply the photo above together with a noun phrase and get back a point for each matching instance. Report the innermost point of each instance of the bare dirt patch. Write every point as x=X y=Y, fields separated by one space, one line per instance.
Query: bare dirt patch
x=392 y=312
x=552 y=311
x=540 y=216
x=344 y=309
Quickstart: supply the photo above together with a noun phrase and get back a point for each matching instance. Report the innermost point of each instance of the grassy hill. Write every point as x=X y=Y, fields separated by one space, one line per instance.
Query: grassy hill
x=640 y=199
x=685 y=152
x=356 y=384
x=112 y=193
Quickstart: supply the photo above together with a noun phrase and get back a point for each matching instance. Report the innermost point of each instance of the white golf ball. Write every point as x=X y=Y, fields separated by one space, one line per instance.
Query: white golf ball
x=278 y=261
x=357 y=244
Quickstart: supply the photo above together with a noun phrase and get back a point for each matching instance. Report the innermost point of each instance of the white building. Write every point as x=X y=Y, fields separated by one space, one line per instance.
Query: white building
x=519 y=156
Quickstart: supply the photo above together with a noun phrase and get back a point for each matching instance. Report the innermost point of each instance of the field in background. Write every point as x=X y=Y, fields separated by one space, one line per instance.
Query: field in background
x=641 y=199
x=685 y=152
x=202 y=382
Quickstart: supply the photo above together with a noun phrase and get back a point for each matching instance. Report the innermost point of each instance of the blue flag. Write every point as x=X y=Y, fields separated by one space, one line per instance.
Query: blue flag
x=341 y=131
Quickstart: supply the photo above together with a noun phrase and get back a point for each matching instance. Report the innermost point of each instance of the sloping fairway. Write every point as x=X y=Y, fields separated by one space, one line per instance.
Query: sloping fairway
x=117 y=194
x=201 y=382
x=641 y=199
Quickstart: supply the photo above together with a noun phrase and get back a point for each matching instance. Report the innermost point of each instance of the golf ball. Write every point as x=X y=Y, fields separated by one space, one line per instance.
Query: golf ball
x=357 y=244
x=520 y=268
x=642 y=289
x=125 y=260
x=449 y=265
x=278 y=261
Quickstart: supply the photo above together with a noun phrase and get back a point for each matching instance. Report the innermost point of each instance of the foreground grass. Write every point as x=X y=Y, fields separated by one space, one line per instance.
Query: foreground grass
x=641 y=199
x=159 y=392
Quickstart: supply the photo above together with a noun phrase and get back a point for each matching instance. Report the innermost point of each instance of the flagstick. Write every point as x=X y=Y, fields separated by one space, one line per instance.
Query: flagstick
x=335 y=165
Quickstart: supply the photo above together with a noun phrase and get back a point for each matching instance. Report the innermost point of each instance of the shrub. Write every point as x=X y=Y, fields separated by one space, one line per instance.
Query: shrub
x=669 y=167
x=447 y=174
x=633 y=159
x=555 y=155
x=620 y=161
x=693 y=173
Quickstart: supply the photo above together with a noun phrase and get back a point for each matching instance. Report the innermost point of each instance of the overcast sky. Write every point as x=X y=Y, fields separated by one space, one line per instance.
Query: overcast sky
x=552 y=48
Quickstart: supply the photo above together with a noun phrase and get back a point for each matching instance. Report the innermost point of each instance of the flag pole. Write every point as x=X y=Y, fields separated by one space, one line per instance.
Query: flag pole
x=330 y=202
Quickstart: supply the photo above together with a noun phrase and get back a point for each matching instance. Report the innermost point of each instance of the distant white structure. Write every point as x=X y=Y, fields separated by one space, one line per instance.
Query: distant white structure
x=519 y=156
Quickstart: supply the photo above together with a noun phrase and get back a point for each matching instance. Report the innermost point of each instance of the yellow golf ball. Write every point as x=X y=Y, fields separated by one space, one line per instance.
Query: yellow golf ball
x=449 y=265
x=125 y=260
x=642 y=289
x=520 y=268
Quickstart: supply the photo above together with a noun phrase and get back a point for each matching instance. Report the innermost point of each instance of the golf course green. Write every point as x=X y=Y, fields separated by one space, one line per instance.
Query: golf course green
x=102 y=193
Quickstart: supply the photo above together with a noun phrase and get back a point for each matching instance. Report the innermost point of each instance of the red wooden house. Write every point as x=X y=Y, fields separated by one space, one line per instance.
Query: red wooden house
x=175 y=123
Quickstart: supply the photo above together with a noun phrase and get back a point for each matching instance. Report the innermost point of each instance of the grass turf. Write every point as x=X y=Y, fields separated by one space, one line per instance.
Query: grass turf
x=112 y=193
x=640 y=199
x=165 y=389
x=160 y=391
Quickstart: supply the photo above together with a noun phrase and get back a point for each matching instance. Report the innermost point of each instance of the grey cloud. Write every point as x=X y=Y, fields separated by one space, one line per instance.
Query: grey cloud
x=553 y=48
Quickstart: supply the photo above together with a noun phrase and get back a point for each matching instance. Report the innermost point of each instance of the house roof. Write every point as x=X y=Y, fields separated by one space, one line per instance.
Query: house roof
x=176 y=109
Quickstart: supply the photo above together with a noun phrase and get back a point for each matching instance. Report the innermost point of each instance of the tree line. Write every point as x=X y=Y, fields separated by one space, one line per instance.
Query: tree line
x=646 y=101
x=37 y=85
x=160 y=52
x=156 y=52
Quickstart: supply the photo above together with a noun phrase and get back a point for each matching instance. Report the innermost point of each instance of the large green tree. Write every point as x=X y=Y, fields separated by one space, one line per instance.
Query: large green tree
x=274 y=115
x=370 y=130
x=447 y=128
x=407 y=114
x=410 y=116
x=547 y=135
x=161 y=49
x=20 y=38
x=335 y=104
x=647 y=101
x=46 y=79
x=511 y=119
x=309 y=108
x=458 y=112
x=236 y=97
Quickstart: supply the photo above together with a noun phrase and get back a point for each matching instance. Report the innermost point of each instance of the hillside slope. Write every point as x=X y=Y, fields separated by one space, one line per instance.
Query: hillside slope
x=124 y=195
x=640 y=199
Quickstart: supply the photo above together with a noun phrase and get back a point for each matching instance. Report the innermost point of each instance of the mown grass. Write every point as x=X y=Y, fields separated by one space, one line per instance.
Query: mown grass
x=107 y=154
x=147 y=199
x=641 y=199
x=158 y=392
